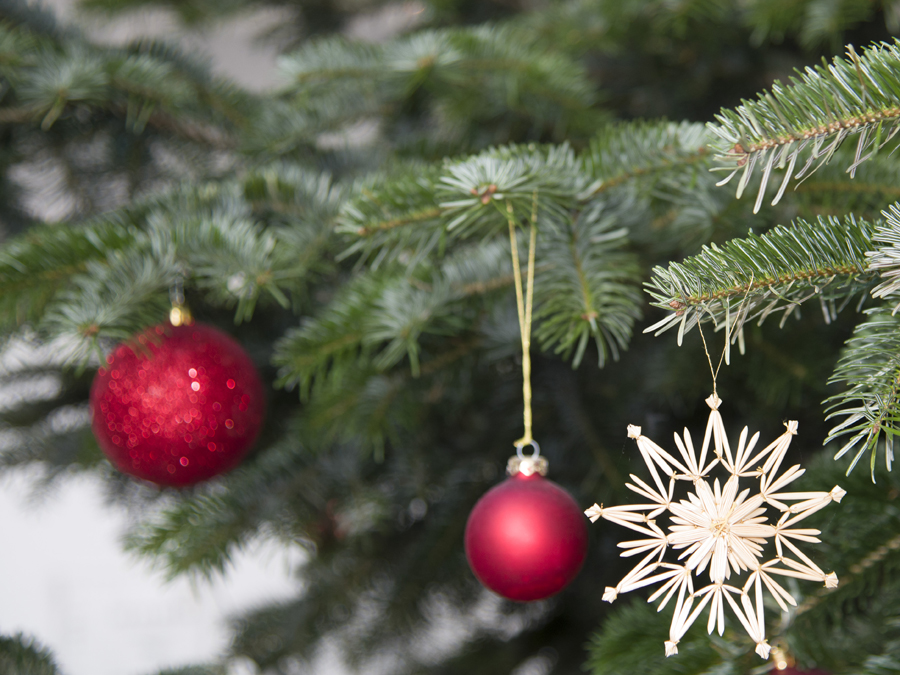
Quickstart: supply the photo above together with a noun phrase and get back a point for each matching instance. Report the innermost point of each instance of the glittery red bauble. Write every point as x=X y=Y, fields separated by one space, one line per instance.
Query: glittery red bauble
x=177 y=404
x=526 y=538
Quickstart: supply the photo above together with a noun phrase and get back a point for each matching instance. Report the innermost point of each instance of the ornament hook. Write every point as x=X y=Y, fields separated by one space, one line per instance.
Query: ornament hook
x=520 y=445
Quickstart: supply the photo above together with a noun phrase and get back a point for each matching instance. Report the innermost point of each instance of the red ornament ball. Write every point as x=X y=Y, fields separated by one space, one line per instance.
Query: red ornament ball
x=177 y=404
x=526 y=538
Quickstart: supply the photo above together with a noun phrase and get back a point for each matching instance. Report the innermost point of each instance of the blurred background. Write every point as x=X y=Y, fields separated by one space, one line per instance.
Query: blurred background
x=266 y=157
x=68 y=580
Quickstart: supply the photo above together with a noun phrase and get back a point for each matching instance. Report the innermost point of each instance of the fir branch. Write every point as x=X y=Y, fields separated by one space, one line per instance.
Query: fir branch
x=34 y=267
x=585 y=288
x=329 y=345
x=626 y=644
x=824 y=21
x=888 y=661
x=481 y=268
x=395 y=215
x=588 y=289
x=401 y=314
x=844 y=628
x=52 y=434
x=23 y=655
x=326 y=61
x=211 y=526
x=145 y=85
x=60 y=79
x=415 y=211
x=624 y=152
x=653 y=177
x=760 y=275
x=886 y=257
x=205 y=235
x=235 y=260
x=814 y=24
x=638 y=171
x=478 y=192
x=110 y=301
x=475 y=86
x=807 y=120
x=210 y=544
x=379 y=318
x=831 y=191
x=870 y=368
x=291 y=190
x=195 y=670
x=371 y=408
x=479 y=72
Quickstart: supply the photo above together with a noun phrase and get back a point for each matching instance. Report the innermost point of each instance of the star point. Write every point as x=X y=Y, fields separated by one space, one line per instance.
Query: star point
x=594 y=513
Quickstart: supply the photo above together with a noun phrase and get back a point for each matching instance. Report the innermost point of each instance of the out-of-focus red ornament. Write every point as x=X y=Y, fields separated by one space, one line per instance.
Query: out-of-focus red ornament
x=526 y=537
x=177 y=404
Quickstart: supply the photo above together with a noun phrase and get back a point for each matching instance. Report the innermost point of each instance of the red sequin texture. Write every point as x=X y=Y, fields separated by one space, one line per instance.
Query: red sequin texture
x=178 y=405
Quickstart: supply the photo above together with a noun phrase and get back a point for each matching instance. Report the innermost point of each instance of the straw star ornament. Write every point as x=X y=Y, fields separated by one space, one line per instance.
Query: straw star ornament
x=719 y=531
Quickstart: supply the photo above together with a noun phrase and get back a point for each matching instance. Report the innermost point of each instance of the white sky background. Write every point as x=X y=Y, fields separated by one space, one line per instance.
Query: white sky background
x=65 y=580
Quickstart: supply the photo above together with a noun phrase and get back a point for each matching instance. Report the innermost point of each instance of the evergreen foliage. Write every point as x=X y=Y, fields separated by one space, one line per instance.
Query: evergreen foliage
x=468 y=87
x=351 y=229
x=808 y=120
x=760 y=275
x=195 y=670
x=21 y=655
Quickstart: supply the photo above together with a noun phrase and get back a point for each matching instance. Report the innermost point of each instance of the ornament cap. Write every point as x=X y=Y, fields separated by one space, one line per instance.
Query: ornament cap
x=180 y=315
x=527 y=466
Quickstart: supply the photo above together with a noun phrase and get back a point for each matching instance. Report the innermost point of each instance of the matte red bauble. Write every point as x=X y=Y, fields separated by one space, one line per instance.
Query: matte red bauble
x=526 y=538
x=177 y=405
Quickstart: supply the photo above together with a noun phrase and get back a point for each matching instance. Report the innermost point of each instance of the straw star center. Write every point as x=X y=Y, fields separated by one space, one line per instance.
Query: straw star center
x=720 y=528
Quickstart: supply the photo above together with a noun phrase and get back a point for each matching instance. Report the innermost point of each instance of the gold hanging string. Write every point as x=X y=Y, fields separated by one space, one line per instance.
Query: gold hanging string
x=737 y=316
x=714 y=373
x=524 y=305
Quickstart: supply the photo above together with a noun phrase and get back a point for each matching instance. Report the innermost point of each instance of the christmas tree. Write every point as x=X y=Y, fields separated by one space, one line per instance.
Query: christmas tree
x=698 y=164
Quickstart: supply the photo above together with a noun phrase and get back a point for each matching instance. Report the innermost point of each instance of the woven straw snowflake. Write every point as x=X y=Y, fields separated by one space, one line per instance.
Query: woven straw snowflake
x=718 y=530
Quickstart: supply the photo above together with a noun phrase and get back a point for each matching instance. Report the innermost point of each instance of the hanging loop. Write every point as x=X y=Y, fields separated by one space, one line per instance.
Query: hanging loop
x=533 y=443
x=524 y=303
